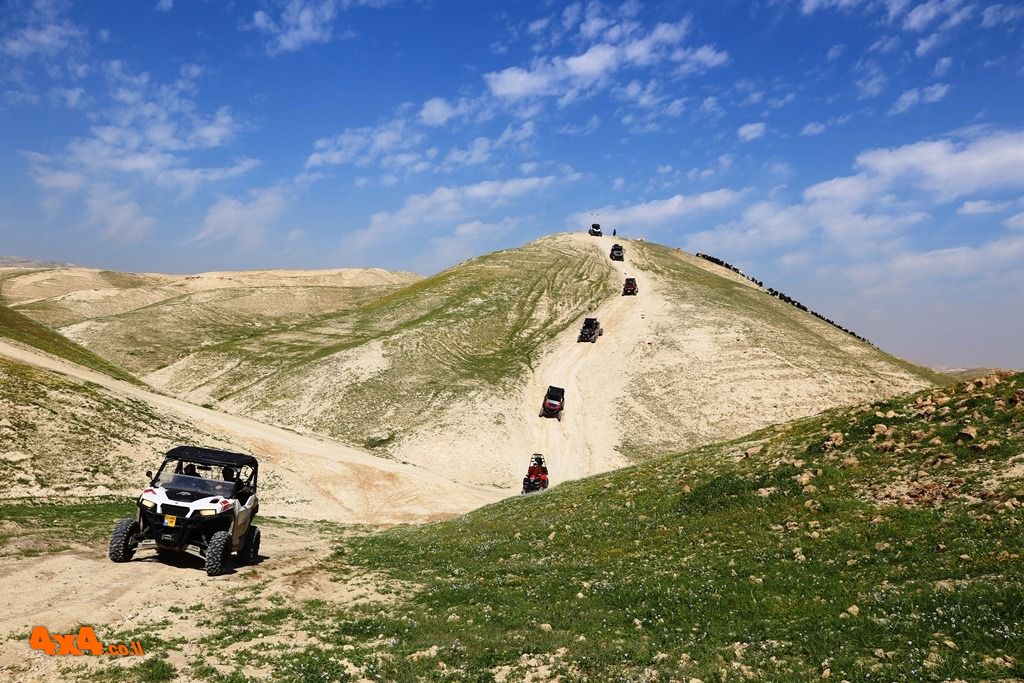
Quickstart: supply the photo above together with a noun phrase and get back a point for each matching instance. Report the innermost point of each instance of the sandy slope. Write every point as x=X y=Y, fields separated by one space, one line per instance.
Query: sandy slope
x=489 y=439
x=326 y=479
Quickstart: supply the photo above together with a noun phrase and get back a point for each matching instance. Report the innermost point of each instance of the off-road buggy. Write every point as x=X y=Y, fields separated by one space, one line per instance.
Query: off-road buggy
x=590 y=331
x=200 y=501
x=536 y=478
x=630 y=288
x=554 y=403
x=595 y=230
x=617 y=254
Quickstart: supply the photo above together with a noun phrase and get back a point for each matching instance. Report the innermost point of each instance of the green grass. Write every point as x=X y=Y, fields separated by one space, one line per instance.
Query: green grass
x=57 y=434
x=695 y=285
x=20 y=328
x=474 y=328
x=44 y=526
x=713 y=565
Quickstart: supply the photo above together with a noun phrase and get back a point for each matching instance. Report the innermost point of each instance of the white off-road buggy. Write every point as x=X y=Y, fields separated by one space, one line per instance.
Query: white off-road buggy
x=200 y=501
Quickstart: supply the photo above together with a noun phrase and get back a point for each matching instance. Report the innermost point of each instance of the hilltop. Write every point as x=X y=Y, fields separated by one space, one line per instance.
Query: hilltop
x=447 y=372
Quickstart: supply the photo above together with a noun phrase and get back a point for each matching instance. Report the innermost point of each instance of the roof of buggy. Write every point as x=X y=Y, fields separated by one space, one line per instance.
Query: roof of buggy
x=631 y=280
x=556 y=392
x=211 y=456
x=589 y=321
x=616 y=246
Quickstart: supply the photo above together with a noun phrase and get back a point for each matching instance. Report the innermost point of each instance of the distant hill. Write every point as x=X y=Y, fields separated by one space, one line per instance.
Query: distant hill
x=448 y=372
x=18 y=262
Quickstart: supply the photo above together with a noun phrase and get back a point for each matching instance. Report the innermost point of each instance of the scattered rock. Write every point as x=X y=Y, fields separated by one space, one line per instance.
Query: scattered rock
x=969 y=432
x=835 y=439
x=545 y=627
x=853 y=610
x=753 y=450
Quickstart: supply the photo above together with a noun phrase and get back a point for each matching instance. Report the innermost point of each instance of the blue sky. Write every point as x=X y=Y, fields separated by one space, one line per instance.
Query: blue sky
x=865 y=156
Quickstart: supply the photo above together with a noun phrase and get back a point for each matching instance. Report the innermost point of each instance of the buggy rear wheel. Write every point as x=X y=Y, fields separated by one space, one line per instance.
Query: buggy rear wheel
x=250 y=552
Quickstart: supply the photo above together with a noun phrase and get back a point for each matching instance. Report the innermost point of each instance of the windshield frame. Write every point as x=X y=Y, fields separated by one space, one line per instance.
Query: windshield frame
x=169 y=477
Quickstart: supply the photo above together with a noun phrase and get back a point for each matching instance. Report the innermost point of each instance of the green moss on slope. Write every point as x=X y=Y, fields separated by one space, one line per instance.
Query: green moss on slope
x=878 y=543
x=14 y=325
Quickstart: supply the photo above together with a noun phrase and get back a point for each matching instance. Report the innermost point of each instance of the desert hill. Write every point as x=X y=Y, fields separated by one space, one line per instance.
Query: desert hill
x=447 y=372
x=143 y=322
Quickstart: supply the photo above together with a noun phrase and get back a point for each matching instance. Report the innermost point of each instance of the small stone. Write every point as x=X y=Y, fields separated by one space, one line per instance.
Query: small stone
x=853 y=610
x=453 y=618
x=545 y=627
x=969 y=432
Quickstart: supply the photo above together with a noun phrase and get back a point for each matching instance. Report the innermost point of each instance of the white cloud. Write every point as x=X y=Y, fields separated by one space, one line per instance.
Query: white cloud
x=982 y=206
x=618 y=183
x=835 y=52
x=873 y=81
x=243 y=221
x=118 y=218
x=995 y=15
x=1016 y=221
x=924 y=14
x=698 y=60
x=568 y=77
x=926 y=95
x=188 y=179
x=751 y=131
x=464 y=241
x=885 y=45
x=437 y=111
x=942 y=66
x=164 y=5
x=363 y=145
x=45 y=40
x=946 y=169
x=659 y=211
x=592 y=124
x=926 y=45
x=444 y=204
x=813 y=128
x=295 y=24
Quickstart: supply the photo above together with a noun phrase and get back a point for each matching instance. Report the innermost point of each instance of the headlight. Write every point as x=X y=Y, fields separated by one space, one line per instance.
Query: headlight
x=147 y=503
x=207 y=512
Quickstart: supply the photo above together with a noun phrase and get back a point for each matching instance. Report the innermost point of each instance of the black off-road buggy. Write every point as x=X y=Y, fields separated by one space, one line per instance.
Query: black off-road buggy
x=590 y=331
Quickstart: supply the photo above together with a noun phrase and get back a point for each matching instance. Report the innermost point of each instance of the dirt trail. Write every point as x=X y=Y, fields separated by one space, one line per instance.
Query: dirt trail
x=81 y=586
x=325 y=479
x=593 y=377
x=490 y=437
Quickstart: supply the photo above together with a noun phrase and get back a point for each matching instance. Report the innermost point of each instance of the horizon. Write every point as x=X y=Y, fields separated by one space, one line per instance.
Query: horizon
x=864 y=156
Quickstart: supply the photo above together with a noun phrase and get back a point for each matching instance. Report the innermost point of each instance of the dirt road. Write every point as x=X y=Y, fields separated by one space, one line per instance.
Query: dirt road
x=584 y=442
x=324 y=478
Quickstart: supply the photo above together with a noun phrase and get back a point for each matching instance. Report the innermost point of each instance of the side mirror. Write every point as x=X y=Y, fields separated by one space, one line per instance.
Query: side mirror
x=149 y=475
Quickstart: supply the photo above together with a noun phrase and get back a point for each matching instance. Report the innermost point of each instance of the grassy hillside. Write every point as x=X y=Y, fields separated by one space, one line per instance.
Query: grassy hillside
x=874 y=543
x=145 y=323
x=397 y=359
x=726 y=358
x=880 y=542
x=14 y=325
x=61 y=436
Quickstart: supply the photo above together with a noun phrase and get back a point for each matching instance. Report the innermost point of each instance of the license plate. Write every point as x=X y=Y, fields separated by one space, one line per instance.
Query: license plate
x=170 y=520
